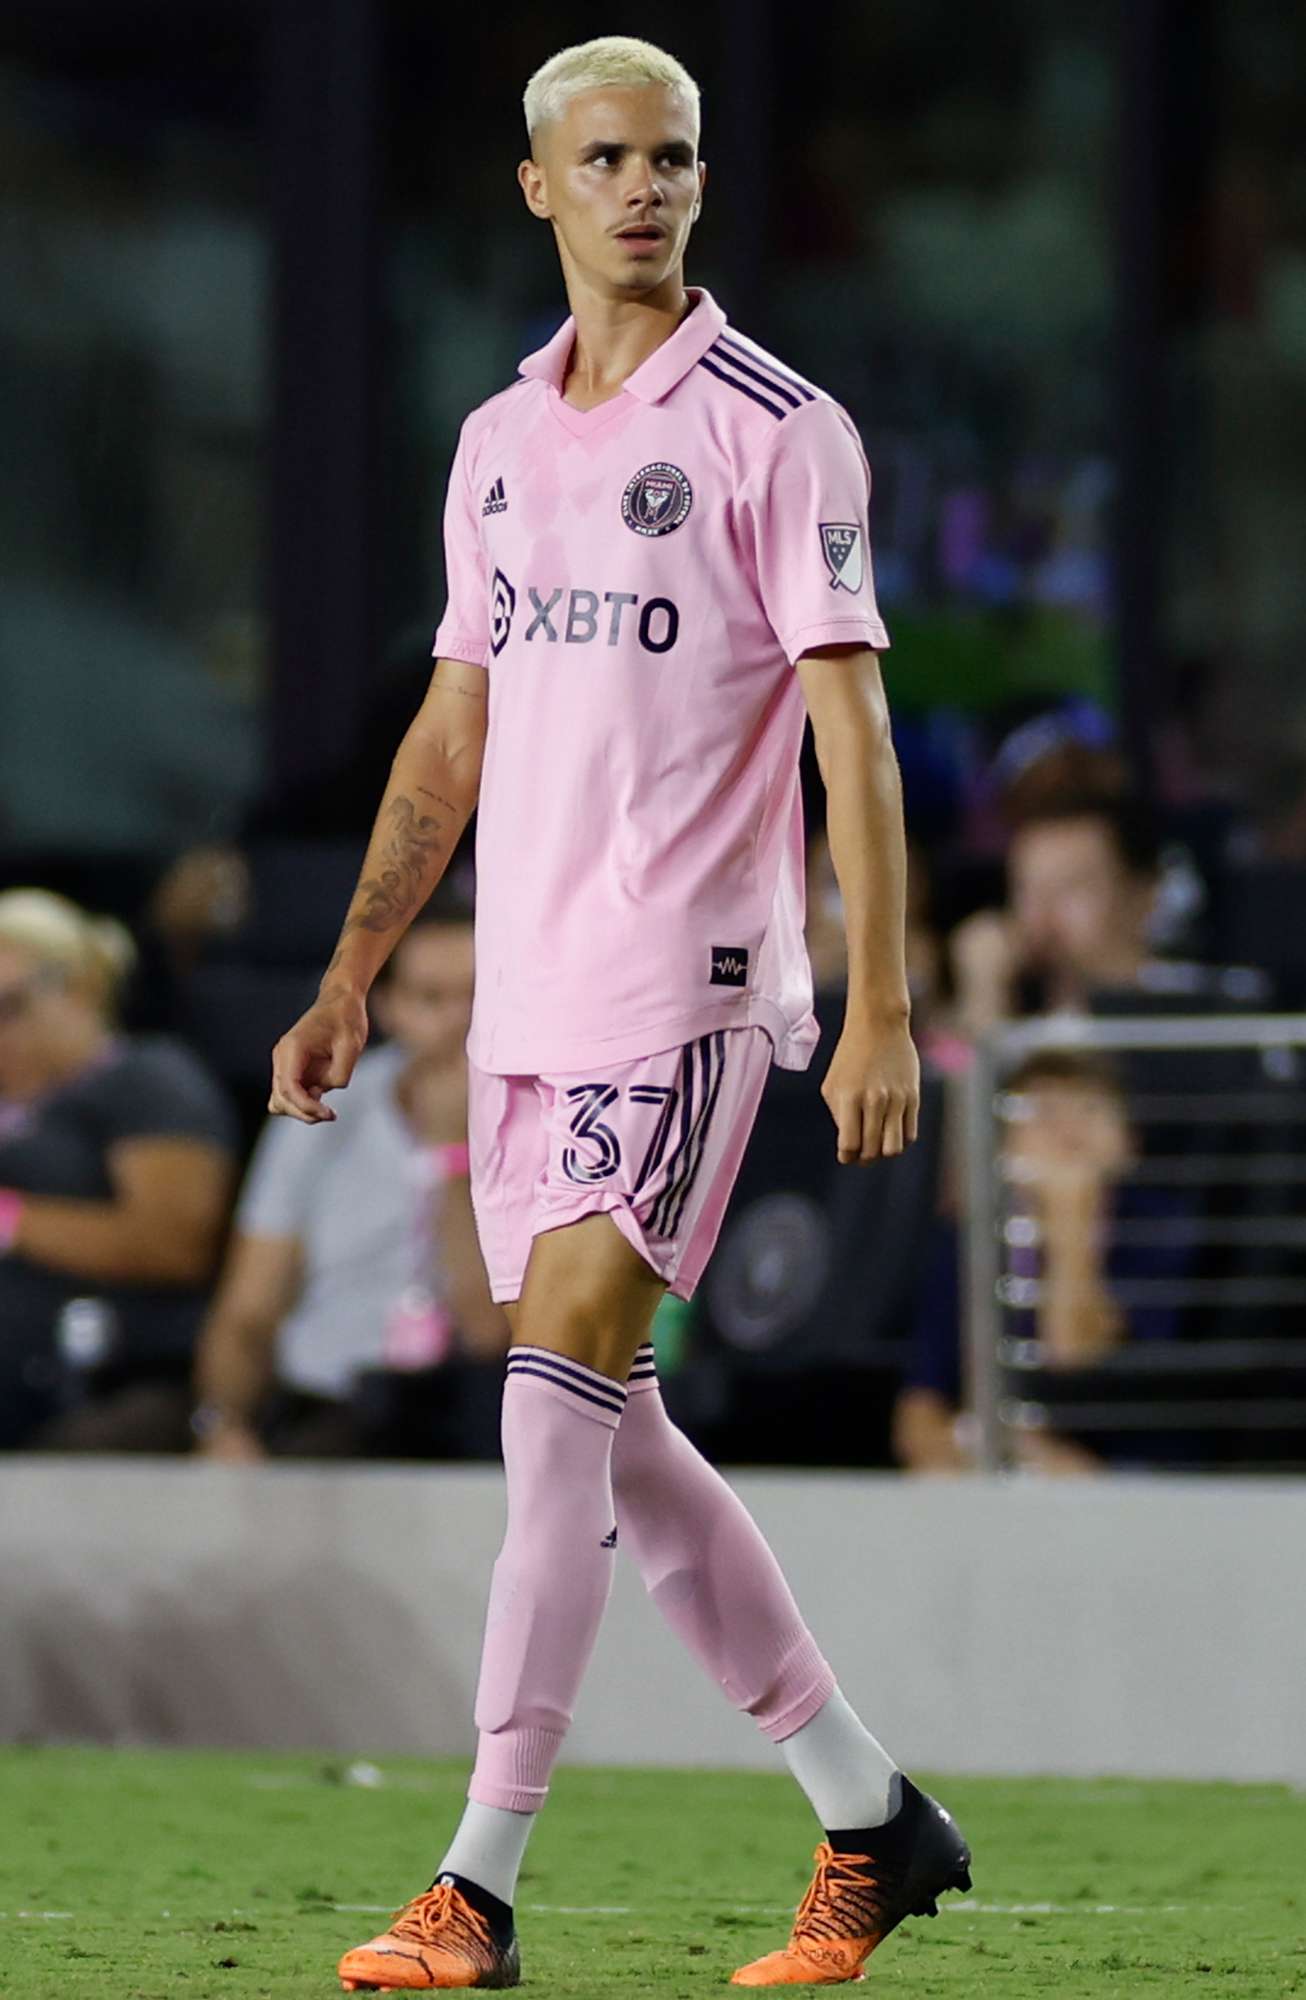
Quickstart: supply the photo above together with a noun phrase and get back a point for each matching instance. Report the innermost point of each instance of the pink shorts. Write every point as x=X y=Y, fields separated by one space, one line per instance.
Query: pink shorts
x=655 y=1143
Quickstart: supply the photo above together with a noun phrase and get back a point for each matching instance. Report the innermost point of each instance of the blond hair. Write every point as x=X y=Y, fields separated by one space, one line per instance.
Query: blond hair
x=93 y=954
x=609 y=59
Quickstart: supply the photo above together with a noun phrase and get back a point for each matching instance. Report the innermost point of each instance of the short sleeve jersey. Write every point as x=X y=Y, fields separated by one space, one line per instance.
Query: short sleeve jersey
x=640 y=579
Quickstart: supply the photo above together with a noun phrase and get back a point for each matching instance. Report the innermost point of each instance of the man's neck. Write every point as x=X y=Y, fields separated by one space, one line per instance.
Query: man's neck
x=614 y=336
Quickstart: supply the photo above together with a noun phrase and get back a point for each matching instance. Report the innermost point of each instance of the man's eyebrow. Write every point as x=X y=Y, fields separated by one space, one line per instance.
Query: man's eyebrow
x=680 y=149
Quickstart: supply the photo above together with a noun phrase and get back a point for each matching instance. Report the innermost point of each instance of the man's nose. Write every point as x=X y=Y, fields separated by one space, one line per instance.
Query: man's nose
x=643 y=188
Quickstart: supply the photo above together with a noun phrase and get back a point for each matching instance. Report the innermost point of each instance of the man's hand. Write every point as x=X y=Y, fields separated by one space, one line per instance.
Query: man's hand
x=873 y=1090
x=318 y=1055
x=234 y=1444
x=986 y=961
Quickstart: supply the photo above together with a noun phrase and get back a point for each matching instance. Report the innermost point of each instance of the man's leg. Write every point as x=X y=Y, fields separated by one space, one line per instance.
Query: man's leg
x=889 y=1850
x=585 y=1307
x=586 y=1304
x=708 y=1568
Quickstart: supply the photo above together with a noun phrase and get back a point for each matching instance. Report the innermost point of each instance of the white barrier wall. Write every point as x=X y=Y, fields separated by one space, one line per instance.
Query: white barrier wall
x=1145 y=1626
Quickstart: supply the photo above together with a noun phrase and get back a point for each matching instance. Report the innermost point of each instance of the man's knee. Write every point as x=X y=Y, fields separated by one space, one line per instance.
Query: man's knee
x=586 y=1324
x=589 y=1295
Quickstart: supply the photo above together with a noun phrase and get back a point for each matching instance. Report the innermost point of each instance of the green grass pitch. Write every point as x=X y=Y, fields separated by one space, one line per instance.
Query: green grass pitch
x=154 y=1875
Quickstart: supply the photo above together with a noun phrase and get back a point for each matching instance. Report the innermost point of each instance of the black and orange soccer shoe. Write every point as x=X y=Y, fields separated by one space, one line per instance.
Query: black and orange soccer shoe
x=855 y=1900
x=438 y=1939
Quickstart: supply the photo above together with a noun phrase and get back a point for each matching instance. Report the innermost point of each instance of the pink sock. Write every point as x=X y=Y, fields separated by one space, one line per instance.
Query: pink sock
x=708 y=1568
x=554 y=1571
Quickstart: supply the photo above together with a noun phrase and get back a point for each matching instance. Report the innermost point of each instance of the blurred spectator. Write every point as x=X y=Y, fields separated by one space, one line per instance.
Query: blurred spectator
x=1066 y=1153
x=826 y=941
x=207 y=892
x=116 y=1166
x=354 y=1257
x=1275 y=829
x=1083 y=873
x=1065 y=750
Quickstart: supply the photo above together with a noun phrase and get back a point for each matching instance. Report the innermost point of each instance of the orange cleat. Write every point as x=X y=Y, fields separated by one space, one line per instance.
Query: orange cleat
x=855 y=1900
x=436 y=1940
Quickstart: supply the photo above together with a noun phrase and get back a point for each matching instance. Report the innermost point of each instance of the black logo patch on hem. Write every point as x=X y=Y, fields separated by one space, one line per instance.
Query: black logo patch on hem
x=729 y=966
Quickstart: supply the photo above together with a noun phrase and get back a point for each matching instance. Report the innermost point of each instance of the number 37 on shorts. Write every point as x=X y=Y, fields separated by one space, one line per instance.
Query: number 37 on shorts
x=655 y=1142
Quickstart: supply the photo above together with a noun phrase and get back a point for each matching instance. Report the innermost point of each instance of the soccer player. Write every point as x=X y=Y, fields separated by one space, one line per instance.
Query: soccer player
x=657 y=560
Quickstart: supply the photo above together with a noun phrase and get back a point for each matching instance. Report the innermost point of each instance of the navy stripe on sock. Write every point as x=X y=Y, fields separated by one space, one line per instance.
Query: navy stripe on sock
x=613 y=1406
x=574 y=1371
x=580 y=1369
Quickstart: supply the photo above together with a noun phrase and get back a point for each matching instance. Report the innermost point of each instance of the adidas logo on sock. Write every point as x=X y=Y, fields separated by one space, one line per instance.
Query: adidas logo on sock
x=609 y=1541
x=495 y=500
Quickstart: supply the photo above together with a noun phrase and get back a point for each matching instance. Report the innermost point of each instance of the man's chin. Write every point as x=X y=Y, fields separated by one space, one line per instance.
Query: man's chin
x=642 y=274
x=640 y=280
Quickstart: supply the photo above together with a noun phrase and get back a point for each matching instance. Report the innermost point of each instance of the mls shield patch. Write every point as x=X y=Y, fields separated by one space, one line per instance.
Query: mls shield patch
x=841 y=544
x=657 y=500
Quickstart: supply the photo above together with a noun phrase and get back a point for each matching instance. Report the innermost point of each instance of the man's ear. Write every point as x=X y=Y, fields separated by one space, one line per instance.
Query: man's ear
x=531 y=179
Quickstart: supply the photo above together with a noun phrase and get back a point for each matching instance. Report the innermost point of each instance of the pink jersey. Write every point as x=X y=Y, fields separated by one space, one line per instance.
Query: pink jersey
x=639 y=580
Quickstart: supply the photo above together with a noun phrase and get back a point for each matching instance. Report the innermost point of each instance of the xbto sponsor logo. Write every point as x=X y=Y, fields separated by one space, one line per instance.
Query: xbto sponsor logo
x=561 y=617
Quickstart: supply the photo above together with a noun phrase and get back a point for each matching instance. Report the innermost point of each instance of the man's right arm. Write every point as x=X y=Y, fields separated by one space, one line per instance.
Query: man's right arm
x=236 y=1356
x=434 y=784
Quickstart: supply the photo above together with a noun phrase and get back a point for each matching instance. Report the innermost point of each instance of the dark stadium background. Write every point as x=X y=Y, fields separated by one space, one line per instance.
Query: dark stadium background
x=257 y=261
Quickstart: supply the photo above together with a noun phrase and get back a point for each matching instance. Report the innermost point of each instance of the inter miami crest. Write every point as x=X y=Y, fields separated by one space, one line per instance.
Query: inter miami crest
x=657 y=500
x=841 y=542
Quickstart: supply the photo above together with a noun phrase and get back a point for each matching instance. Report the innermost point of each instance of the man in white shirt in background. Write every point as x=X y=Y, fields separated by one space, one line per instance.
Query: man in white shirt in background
x=360 y=1254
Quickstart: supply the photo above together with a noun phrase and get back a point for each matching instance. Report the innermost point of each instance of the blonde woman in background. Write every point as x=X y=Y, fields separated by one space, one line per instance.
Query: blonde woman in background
x=117 y=1157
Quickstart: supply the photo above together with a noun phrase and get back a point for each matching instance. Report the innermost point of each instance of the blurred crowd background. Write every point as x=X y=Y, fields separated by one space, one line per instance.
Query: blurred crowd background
x=256 y=263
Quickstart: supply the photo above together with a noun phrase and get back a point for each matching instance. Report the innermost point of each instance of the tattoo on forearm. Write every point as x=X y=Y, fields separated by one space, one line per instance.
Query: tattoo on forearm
x=414 y=840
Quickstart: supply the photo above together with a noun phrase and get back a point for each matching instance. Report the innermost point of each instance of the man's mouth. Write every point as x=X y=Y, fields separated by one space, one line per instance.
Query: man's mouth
x=641 y=232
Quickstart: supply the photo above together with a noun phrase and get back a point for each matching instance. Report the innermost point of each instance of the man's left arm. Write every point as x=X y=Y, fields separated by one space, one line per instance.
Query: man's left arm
x=872 y=1086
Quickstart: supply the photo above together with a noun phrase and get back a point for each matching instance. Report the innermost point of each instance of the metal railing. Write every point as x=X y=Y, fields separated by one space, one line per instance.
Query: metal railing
x=1218 y=1108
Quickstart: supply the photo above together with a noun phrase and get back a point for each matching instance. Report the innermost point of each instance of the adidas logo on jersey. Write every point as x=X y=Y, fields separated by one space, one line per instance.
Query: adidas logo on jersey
x=495 y=500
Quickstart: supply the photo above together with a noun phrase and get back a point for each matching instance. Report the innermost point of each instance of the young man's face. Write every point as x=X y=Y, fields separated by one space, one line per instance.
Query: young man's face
x=39 y=1013
x=427 y=1005
x=1078 y=908
x=619 y=177
x=1063 y=1122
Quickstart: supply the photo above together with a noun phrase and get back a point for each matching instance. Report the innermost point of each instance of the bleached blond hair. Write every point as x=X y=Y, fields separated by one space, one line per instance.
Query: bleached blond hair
x=609 y=59
x=94 y=954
